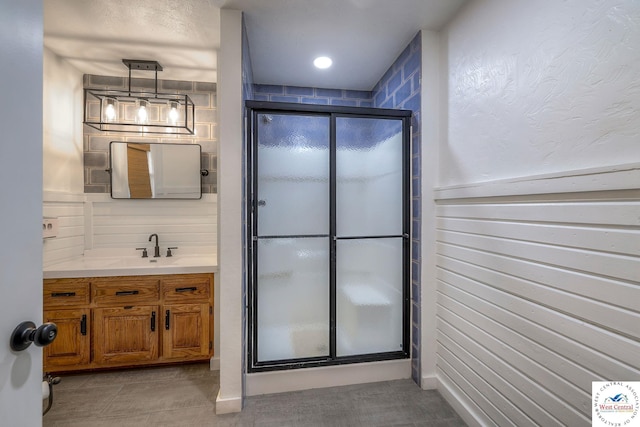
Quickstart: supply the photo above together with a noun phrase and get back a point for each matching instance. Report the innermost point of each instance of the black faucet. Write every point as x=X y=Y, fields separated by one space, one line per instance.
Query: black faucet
x=156 y=253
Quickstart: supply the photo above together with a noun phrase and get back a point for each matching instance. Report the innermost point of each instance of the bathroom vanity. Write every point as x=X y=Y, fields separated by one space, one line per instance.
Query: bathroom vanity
x=128 y=320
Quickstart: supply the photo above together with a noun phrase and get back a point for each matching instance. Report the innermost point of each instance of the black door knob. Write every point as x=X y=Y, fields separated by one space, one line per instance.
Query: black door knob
x=26 y=333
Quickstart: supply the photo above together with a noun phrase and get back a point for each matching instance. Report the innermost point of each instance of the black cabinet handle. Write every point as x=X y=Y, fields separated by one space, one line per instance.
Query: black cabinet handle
x=187 y=289
x=167 y=319
x=63 y=294
x=121 y=293
x=83 y=325
x=153 y=321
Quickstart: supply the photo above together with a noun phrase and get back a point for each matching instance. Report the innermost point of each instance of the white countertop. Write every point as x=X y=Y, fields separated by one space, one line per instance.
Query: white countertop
x=128 y=262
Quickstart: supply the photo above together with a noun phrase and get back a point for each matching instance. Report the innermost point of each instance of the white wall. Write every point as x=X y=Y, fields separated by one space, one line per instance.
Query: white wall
x=537 y=275
x=540 y=87
x=432 y=122
x=62 y=121
x=230 y=210
x=62 y=161
x=94 y=220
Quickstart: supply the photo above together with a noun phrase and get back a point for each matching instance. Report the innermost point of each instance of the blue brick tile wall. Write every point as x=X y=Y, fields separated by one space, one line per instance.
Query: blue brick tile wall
x=309 y=95
x=399 y=87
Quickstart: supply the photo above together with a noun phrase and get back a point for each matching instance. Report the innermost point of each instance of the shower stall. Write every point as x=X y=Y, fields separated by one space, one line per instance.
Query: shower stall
x=327 y=235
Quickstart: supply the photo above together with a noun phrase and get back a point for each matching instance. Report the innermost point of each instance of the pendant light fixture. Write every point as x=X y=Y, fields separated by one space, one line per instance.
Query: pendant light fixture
x=139 y=111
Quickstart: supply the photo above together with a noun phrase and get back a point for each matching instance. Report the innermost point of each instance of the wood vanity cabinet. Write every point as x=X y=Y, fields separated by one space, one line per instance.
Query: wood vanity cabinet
x=128 y=321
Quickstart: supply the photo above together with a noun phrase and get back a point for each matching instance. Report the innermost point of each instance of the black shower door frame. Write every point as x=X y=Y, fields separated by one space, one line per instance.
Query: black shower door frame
x=253 y=109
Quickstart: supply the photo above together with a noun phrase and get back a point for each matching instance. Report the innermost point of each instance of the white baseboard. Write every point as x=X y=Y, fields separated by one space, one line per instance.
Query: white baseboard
x=228 y=405
x=429 y=382
x=460 y=405
x=214 y=363
x=329 y=376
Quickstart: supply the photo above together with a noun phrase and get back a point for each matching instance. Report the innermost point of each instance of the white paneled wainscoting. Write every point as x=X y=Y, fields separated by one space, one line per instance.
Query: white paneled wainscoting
x=128 y=223
x=538 y=294
x=95 y=221
x=69 y=243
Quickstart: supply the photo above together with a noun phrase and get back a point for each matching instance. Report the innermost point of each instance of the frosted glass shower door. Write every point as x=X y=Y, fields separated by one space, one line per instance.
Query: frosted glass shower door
x=328 y=235
x=369 y=235
x=292 y=236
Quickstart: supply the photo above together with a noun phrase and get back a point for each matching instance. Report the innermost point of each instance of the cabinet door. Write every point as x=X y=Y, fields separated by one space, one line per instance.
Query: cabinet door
x=125 y=334
x=72 y=345
x=186 y=331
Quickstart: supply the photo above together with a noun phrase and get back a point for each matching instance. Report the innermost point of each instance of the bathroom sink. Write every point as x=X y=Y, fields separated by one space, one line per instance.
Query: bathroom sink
x=99 y=265
x=194 y=260
x=87 y=263
x=144 y=262
x=151 y=262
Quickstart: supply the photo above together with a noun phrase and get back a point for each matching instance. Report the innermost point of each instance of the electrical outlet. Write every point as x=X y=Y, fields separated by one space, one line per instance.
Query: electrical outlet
x=49 y=227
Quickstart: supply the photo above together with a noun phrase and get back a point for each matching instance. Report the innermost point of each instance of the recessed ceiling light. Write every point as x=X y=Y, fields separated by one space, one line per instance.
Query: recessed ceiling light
x=322 y=62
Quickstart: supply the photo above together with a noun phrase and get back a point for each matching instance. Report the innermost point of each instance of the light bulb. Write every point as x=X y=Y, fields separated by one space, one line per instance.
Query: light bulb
x=174 y=114
x=143 y=115
x=322 y=62
x=110 y=110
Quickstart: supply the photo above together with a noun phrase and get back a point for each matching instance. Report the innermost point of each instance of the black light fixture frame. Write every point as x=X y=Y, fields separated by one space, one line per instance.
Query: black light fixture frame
x=98 y=97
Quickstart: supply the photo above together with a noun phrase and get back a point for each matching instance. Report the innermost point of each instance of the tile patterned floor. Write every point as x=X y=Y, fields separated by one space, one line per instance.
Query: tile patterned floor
x=185 y=396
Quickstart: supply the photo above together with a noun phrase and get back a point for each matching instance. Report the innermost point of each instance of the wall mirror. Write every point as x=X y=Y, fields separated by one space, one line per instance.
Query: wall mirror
x=155 y=171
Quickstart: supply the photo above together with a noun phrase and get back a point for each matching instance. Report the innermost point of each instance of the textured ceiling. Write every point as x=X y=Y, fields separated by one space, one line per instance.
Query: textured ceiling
x=362 y=36
x=95 y=35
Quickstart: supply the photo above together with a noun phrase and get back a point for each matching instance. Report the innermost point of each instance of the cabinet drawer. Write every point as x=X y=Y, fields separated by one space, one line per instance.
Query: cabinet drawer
x=65 y=293
x=186 y=288
x=125 y=290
